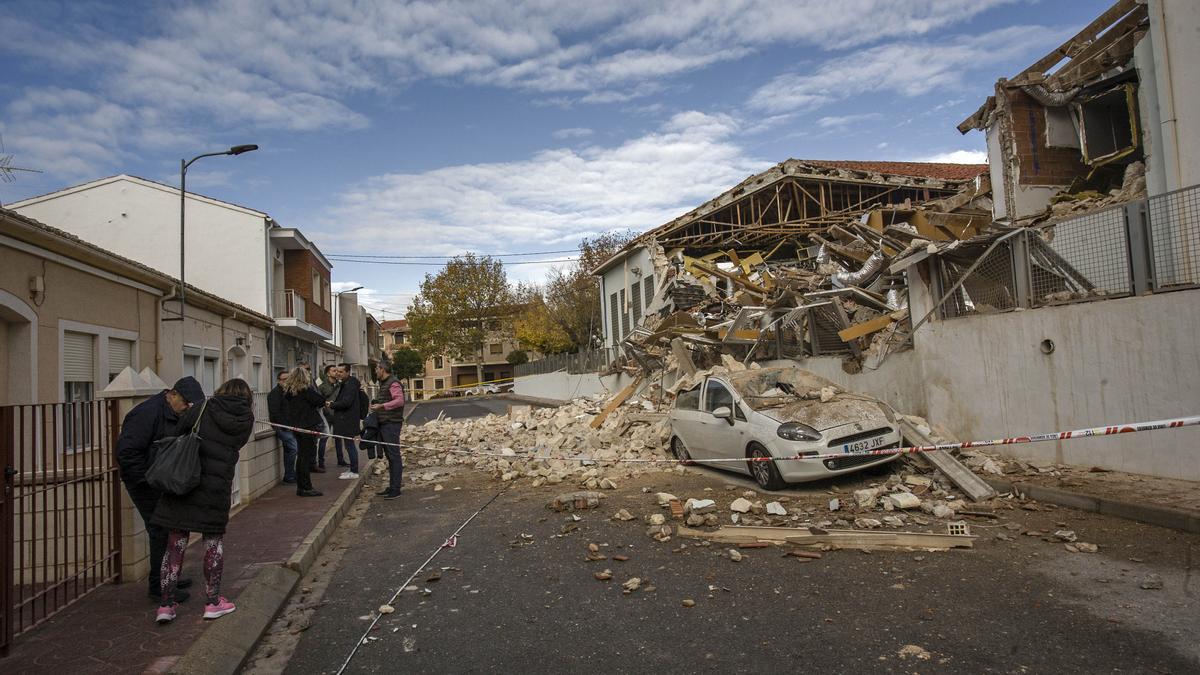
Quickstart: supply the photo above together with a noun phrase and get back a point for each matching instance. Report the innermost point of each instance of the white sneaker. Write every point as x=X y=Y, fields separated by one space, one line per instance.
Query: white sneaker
x=348 y=475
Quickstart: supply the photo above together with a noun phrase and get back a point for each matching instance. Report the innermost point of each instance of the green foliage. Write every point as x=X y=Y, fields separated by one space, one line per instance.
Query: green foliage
x=459 y=308
x=572 y=295
x=407 y=363
x=517 y=356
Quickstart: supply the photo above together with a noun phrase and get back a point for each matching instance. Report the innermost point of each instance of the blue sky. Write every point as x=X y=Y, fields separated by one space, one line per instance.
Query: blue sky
x=499 y=127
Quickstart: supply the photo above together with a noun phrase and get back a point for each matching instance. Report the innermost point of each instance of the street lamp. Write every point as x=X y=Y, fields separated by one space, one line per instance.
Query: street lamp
x=183 y=167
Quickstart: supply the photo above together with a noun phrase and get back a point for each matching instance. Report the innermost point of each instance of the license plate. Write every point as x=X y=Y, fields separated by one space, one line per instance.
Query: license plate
x=864 y=445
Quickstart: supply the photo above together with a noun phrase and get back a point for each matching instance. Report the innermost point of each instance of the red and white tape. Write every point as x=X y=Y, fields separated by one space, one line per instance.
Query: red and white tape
x=536 y=455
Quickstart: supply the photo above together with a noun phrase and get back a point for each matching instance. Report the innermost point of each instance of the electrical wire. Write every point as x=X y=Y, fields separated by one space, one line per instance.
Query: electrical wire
x=488 y=255
x=441 y=264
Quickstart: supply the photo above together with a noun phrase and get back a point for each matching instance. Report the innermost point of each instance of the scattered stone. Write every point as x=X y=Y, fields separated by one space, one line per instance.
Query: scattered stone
x=576 y=501
x=1151 y=582
x=603 y=576
x=835 y=504
x=740 y=505
x=942 y=511
x=438 y=488
x=903 y=500
x=657 y=519
x=607 y=484
x=386 y=609
x=735 y=555
x=623 y=515
x=699 y=506
x=776 y=509
x=866 y=498
x=867 y=523
x=688 y=602
x=620 y=558
x=695 y=520
x=914 y=652
x=659 y=532
x=892 y=521
x=631 y=585
x=918 y=481
x=664 y=498
x=1066 y=535
x=1085 y=547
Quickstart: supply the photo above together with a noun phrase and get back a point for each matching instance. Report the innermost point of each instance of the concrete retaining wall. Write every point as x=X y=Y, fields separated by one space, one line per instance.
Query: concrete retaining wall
x=560 y=386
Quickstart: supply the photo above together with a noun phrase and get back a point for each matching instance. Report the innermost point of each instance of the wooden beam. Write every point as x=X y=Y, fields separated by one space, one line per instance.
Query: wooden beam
x=865 y=328
x=614 y=403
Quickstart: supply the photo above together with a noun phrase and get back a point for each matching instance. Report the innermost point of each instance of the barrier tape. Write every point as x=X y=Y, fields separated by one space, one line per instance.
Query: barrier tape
x=1132 y=427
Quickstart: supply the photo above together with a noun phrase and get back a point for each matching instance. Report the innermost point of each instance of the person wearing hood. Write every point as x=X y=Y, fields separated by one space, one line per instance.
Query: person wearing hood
x=224 y=424
x=147 y=422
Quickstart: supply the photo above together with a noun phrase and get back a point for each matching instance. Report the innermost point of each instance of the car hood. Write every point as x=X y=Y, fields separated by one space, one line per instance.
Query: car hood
x=835 y=413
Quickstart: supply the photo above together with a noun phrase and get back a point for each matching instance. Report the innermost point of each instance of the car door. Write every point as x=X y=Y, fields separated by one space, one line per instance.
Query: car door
x=723 y=440
x=686 y=419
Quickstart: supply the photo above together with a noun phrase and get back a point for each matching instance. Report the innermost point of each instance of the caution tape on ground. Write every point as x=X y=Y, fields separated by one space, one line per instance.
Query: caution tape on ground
x=541 y=454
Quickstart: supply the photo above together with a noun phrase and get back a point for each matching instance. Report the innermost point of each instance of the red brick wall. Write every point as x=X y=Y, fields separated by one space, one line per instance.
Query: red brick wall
x=1039 y=164
x=298 y=266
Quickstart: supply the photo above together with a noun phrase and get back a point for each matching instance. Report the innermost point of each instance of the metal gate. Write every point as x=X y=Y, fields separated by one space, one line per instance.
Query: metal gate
x=60 y=511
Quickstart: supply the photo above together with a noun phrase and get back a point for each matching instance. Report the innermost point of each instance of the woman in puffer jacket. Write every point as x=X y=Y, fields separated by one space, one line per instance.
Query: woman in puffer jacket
x=225 y=423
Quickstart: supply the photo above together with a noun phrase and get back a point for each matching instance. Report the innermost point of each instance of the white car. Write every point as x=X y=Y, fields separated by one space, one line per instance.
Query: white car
x=778 y=413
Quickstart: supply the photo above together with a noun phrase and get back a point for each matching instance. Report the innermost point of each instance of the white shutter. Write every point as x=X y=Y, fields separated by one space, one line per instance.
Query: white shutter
x=79 y=357
x=120 y=355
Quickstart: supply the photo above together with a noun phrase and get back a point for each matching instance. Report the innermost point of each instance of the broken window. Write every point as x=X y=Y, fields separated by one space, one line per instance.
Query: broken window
x=717 y=396
x=1108 y=124
x=1060 y=128
x=689 y=400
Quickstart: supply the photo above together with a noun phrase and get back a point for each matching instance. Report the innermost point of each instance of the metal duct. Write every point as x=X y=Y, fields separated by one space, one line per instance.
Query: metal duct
x=896 y=299
x=1050 y=98
x=822 y=255
x=869 y=269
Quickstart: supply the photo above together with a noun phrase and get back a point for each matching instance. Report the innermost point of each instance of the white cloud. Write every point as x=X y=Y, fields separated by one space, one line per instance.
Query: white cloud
x=574 y=132
x=843 y=121
x=552 y=199
x=905 y=68
x=958 y=157
x=383 y=305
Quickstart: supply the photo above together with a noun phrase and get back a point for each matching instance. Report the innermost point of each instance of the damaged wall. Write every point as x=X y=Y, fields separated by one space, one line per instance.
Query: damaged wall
x=1175 y=36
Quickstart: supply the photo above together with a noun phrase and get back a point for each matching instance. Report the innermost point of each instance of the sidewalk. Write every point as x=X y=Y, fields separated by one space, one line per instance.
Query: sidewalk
x=113 y=630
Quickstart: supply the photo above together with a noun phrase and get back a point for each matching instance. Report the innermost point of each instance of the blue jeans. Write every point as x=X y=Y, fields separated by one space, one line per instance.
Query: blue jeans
x=390 y=433
x=322 y=441
x=290 y=449
x=351 y=451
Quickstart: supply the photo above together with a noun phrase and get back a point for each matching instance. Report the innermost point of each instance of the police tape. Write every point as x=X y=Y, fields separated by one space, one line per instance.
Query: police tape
x=539 y=455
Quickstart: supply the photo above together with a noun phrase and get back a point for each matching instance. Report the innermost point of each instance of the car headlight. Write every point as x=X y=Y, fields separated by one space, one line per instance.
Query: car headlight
x=795 y=431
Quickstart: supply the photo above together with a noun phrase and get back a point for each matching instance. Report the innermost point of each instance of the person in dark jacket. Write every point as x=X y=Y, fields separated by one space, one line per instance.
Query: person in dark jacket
x=224 y=424
x=328 y=389
x=302 y=405
x=287 y=438
x=347 y=420
x=388 y=408
x=148 y=422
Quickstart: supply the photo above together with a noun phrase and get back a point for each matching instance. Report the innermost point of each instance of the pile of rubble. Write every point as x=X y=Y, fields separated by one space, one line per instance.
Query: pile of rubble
x=542 y=443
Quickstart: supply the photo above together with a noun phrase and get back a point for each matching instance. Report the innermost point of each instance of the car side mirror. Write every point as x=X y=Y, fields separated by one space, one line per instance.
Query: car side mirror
x=724 y=413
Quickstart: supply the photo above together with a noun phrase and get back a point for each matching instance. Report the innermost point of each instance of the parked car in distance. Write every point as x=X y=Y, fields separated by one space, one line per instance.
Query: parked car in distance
x=763 y=415
x=481 y=390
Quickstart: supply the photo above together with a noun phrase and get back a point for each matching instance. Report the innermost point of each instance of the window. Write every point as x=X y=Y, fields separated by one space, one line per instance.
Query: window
x=325 y=294
x=636 y=296
x=439 y=384
x=613 y=314
x=689 y=400
x=316 y=288
x=208 y=379
x=79 y=372
x=120 y=356
x=496 y=348
x=256 y=374
x=717 y=395
x=438 y=364
x=624 y=315
x=648 y=287
x=1108 y=125
x=418 y=389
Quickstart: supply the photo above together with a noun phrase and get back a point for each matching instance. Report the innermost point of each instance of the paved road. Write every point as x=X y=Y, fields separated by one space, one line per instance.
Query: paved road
x=461 y=408
x=516 y=594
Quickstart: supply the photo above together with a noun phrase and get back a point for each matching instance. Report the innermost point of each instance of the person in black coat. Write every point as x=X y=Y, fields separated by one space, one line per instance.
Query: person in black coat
x=302 y=405
x=224 y=424
x=150 y=421
x=287 y=438
x=347 y=418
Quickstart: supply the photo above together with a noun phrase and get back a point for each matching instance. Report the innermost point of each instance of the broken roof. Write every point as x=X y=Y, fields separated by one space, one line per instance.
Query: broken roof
x=1103 y=45
x=942 y=170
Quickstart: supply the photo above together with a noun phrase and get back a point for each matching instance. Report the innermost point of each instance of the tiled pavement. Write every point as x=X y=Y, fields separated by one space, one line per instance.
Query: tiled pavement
x=113 y=630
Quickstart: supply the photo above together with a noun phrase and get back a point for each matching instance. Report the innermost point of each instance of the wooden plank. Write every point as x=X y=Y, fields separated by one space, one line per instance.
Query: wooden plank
x=966 y=480
x=614 y=403
x=799 y=536
x=865 y=328
x=683 y=357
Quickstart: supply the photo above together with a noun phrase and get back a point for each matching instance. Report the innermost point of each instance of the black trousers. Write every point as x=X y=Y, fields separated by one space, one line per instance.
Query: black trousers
x=390 y=433
x=145 y=500
x=305 y=459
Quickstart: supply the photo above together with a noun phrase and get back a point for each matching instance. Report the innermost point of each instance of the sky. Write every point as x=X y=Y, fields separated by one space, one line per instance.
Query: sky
x=435 y=128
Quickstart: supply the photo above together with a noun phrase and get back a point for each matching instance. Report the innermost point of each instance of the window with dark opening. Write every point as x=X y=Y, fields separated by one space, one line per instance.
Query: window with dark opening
x=1108 y=125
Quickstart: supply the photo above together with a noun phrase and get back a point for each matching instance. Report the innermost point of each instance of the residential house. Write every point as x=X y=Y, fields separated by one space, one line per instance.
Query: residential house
x=360 y=337
x=278 y=271
x=443 y=372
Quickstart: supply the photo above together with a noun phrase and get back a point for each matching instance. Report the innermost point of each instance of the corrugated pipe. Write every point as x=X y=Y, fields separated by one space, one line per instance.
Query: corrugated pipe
x=1050 y=98
x=896 y=299
x=868 y=270
x=822 y=255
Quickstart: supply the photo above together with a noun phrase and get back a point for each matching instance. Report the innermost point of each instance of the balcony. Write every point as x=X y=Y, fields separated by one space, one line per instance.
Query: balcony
x=288 y=305
x=288 y=308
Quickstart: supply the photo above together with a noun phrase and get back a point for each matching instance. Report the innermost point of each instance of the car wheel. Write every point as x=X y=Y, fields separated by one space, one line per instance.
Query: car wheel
x=680 y=451
x=765 y=473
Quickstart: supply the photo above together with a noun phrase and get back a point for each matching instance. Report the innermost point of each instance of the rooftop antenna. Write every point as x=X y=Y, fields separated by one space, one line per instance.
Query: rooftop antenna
x=7 y=170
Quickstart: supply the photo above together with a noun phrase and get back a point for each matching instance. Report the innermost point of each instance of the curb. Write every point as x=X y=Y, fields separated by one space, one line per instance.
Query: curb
x=225 y=645
x=1162 y=516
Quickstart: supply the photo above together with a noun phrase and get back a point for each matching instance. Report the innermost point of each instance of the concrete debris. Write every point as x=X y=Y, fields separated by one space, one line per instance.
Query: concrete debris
x=866 y=498
x=699 y=506
x=659 y=532
x=688 y=602
x=632 y=585
x=386 y=609
x=735 y=555
x=740 y=505
x=867 y=523
x=665 y=498
x=914 y=652
x=606 y=575
x=776 y=509
x=1066 y=535
x=1151 y=582
x=576 y=501
x=835 y=504
x=623 y=515
x=656 y=519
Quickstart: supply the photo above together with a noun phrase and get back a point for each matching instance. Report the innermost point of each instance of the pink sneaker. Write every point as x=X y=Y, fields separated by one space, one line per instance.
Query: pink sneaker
x=166 y=614
x=218 y=610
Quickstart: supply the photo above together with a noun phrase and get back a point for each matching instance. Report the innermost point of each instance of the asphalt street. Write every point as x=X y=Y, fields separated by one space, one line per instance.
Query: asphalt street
x=461 y=408
x=516 y=593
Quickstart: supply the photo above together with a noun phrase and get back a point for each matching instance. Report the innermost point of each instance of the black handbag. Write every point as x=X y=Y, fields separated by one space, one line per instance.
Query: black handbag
x=176 y=465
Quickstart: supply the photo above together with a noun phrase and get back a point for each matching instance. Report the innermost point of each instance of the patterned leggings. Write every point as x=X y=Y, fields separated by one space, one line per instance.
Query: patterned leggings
x=172 y=563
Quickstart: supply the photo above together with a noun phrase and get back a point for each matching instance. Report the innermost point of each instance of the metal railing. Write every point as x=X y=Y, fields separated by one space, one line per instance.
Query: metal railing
x=1145 y=246
x=589 y=361
x=288 y=304
x=60 y=509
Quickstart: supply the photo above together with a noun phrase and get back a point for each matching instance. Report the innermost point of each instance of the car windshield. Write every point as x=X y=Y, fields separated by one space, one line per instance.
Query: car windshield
x=769 y=387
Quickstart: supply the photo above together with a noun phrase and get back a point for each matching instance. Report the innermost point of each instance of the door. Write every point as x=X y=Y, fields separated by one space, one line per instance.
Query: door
x=686 y=420
x=723 y=438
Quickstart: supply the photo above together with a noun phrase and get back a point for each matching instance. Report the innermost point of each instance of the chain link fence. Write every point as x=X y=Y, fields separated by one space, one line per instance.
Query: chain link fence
x=589 y=361
x=1081 y=258
x=990 y=287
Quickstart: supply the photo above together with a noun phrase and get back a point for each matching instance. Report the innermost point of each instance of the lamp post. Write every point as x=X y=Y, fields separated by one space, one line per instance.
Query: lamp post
x=183 y=167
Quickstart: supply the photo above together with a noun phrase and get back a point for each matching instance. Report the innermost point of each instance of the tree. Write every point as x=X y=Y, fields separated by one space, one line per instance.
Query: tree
x=571 y=299
x=457 y=309
x=407 y=363
x=535 y=327
x=517 y=356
